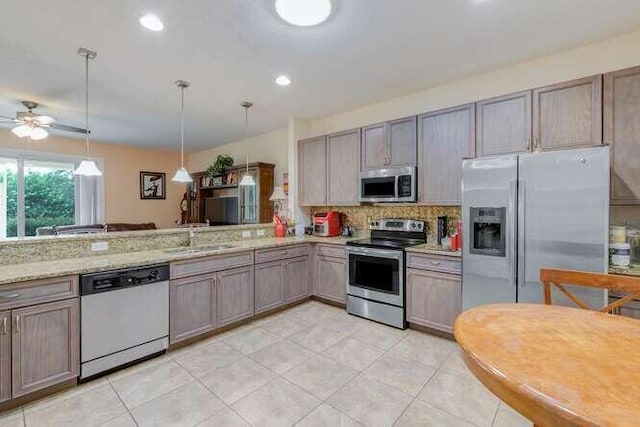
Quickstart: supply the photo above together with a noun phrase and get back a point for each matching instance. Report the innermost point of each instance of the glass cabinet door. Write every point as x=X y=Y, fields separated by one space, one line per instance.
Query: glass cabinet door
x=249 y=194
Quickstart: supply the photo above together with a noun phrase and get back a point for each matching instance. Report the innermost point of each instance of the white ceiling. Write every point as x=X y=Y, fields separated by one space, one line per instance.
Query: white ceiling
x=231 y=50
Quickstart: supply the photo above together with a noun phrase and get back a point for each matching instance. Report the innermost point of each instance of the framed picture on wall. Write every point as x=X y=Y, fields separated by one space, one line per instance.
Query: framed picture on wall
x=153 y=185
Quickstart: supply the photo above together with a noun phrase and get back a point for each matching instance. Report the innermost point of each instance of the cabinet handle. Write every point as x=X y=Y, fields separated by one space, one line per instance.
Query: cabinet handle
x=17 y=328
x=283 y=252
x=10 y=296
x=4 y=326
x=435 y=262
x=528 y=144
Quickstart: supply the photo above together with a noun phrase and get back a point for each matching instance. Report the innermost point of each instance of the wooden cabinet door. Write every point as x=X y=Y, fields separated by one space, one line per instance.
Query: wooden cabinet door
x=622 y=132
x=503 y=124
x=45 y=345
x=192 y=307
x=5 y=356
x=331 y=278
x=297 y=279
x=568 y=114
x=433 y=299
x=343 y=175
x=402 y=142
x=312 y=171
x=445 y=138
x=235 y=295
x=374 y=147
x=269 y=288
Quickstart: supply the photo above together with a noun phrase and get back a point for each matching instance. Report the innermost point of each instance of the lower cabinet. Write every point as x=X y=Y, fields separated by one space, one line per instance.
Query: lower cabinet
x=331 y=278
x=45 y=345
x=192 y=307
x=433 y=298
x=235 y=295
x=5 y=356
x=280 y=282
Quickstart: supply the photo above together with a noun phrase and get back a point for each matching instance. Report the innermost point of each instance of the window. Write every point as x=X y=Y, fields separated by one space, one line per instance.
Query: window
x=40 y=190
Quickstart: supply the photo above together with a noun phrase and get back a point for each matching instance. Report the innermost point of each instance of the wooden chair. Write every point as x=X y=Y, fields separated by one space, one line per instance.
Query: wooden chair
x=558 y=278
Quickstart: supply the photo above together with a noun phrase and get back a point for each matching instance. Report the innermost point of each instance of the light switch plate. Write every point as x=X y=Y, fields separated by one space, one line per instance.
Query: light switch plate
x=99 y=246
x=260 y=233
x=246 y=233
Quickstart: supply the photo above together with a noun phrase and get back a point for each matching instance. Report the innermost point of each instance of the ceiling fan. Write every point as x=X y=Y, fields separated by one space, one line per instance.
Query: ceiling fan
x=34 y=126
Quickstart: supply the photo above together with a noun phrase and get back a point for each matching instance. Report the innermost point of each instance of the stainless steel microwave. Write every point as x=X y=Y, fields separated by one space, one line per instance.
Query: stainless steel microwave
x=388 y=185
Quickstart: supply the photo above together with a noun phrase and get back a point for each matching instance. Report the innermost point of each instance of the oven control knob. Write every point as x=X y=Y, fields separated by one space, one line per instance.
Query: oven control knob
x=413 y=225
x=419 y=225
x=373 y=224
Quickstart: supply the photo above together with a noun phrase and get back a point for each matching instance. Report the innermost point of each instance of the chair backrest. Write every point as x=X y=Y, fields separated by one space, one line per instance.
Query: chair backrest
x=558 y=278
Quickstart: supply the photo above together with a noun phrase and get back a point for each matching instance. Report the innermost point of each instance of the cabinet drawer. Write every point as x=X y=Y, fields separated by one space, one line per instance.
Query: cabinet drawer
x=274 y=254
x=37 y=291
x=336 y=251
x=434 y=263
x=210 y=264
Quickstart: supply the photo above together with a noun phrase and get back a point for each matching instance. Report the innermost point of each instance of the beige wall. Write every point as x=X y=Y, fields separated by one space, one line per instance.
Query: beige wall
x=267 y=148
x=122 y=166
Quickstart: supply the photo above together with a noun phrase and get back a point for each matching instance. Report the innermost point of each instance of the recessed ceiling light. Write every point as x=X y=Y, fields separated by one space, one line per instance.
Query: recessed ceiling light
x=304 y=13
x=283 y=80
x=151 y=22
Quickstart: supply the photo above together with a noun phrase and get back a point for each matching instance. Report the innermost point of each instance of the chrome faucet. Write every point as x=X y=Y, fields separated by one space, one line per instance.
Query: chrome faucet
x=192 y=237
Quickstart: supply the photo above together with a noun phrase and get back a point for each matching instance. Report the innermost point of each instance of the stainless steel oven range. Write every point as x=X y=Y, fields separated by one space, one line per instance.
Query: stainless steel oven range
x=376 y=270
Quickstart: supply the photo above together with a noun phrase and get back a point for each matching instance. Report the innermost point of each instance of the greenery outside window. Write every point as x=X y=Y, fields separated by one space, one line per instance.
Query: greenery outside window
x=40 y=190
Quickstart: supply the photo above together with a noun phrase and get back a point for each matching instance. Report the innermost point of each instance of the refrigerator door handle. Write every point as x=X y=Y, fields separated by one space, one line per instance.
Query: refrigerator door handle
x=512 y=241
x=522 y=193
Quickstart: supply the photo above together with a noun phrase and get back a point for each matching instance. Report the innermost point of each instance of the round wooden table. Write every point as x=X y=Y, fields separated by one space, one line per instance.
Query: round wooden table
x=556 y=365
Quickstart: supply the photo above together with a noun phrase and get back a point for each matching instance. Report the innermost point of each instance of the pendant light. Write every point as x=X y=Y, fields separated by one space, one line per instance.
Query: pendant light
x=247 y=180
x=181 y=174
x=87 y=167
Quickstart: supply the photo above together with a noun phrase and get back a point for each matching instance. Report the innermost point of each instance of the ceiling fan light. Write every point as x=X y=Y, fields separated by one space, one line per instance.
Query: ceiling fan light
x=304 y=13
x=87 y=168
x=247 y=181
x=182 y=176
x=21 y=131
x=45 y=120
x=38 y=133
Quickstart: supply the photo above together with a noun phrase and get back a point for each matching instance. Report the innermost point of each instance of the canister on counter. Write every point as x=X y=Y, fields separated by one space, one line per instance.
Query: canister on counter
x=617 y=234
x=619 y=254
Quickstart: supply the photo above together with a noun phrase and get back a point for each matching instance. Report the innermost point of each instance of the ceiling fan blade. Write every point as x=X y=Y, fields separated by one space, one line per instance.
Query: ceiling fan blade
x=67 y=128
x=7 y=119
x=45 y=120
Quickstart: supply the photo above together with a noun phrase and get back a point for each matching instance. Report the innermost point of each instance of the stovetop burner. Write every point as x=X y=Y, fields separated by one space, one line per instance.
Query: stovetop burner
x=394 y=234
x=386 y=243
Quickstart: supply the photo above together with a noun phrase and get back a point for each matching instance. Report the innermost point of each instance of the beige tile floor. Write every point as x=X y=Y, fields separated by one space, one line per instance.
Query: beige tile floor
x=312 y=365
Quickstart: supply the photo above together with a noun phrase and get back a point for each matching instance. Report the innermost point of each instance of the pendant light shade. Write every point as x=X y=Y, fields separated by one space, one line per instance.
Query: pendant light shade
x=87 y=167
x=247 y=180
x=182 y=175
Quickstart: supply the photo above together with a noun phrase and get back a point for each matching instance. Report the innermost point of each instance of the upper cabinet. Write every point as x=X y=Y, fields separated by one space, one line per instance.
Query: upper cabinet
x=568 y=115
x=445 y=137
x=312 y=171
x=622 y=132
x=503 y=124
x=343 y=176
x=328 y=169
x=388 y=145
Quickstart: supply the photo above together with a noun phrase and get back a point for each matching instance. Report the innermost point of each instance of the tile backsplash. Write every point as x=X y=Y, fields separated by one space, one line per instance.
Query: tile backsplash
x=360 y=216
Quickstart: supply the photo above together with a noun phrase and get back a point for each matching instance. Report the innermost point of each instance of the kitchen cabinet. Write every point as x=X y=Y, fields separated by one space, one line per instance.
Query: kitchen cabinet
x=504 y=124
x=343 y=160
x=5 y=355
x=568 y=115
x=192 y=307
x=622 y=133
x=445 y=138
x=296 y=279
x=389 y=145
x=312 y=171
x=434 y=299
x=45 y=345
x=235 y=295
x=269 y=286
x=331 y=278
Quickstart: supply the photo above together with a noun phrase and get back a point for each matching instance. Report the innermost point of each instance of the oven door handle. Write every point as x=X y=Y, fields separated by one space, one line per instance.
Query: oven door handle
x=381 y=253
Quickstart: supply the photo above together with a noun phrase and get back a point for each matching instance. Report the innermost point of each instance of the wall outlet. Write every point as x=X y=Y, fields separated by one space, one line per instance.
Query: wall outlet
x=260 y=233
x=246 y=233
x=99 y=246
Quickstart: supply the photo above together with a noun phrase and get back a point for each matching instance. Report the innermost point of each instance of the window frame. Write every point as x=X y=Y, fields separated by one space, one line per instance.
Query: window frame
x=89 y=204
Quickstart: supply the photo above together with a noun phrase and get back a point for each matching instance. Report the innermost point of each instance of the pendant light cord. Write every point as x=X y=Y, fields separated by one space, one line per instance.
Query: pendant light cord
x=182 y=126
x=246 y=131
x=86 y=103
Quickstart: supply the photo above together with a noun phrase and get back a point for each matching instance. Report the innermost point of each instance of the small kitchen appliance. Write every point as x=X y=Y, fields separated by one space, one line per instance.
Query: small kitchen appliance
x=326 y=224
x=376 y=270
x=388 y=185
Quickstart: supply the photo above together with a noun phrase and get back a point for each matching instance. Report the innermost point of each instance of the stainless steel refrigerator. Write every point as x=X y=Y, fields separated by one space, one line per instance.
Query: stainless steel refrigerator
x=525 y=212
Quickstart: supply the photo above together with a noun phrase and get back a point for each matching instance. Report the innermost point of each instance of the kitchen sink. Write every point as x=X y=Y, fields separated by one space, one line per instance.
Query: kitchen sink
x=204 y=248
x=207 y=248
x=182 y=251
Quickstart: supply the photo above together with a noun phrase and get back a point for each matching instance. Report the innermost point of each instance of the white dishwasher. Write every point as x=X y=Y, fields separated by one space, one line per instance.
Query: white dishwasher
x=124 y=317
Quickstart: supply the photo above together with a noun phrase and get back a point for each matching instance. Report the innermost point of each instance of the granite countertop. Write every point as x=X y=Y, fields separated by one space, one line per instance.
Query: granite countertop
x=434 y=249
x=62 y=267
x=632 y=270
